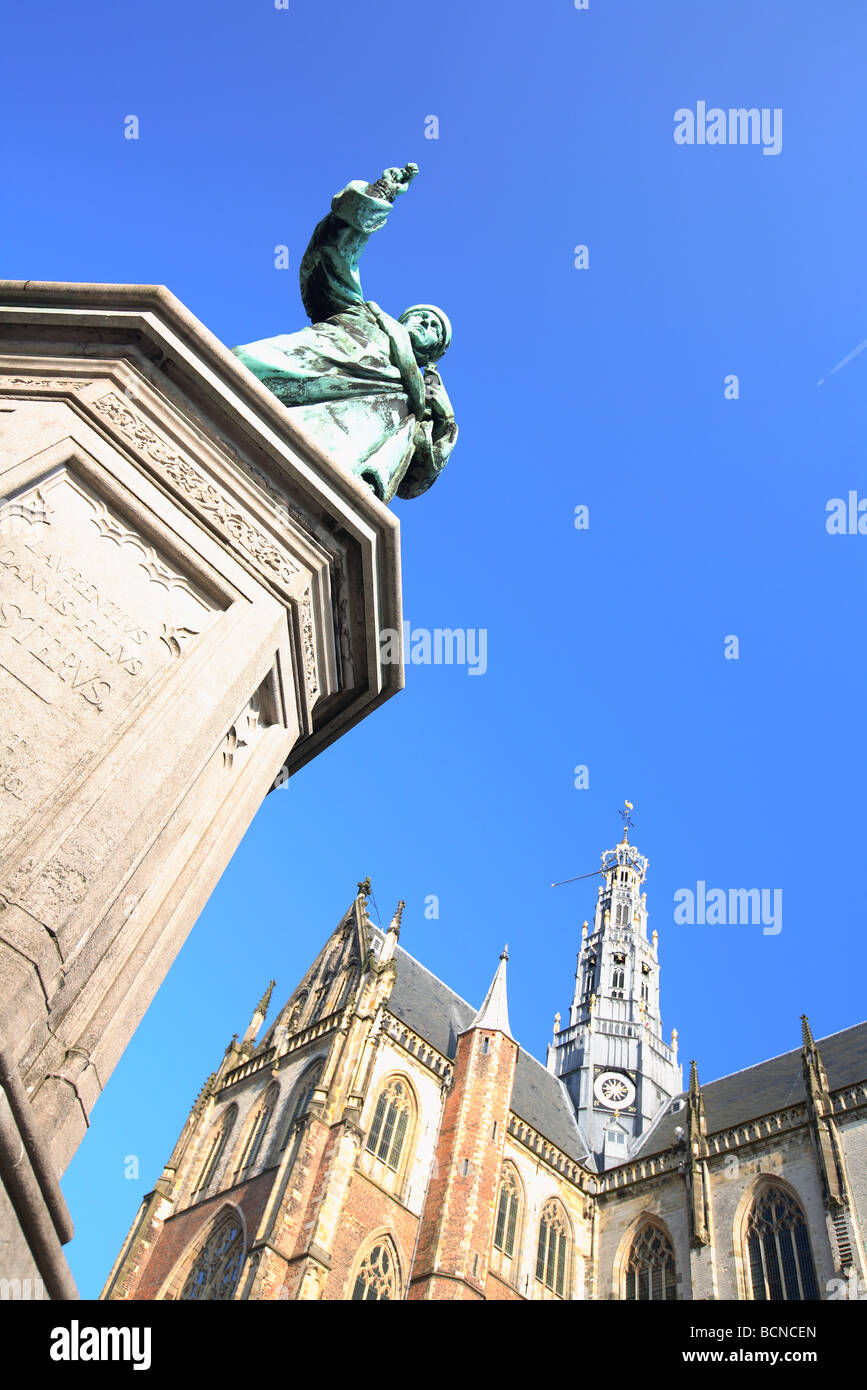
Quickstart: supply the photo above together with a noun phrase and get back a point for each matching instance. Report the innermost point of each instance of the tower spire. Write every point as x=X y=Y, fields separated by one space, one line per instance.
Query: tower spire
x=617 y=1067
x=259 y=1013
x=494 y=1012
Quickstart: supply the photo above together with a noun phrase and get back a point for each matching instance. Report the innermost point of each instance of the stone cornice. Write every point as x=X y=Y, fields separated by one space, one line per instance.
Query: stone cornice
x=556 y=1159
x=753 y=1131
x=414 y=1044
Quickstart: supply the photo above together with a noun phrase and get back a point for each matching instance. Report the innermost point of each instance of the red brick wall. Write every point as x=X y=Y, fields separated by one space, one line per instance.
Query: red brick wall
x=457 y=1223
x=498 y=1291
x=368 y=1210
x=179 y=1230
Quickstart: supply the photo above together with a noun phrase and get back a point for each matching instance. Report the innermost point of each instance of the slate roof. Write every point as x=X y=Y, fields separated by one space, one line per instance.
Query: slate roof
x=438 y=1015
x=768 y=1086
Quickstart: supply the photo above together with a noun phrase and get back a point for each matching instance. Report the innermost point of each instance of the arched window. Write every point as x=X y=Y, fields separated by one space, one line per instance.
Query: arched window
x=507 y=1212
x=778 y=1248
x=552 y=1254
x=390 y=1123
x=650 y=1267
x=255 y=1133
x=215 y=1147
x=618 y=978
x=377 y=1277
x=214 y=1271
x=299 y=1103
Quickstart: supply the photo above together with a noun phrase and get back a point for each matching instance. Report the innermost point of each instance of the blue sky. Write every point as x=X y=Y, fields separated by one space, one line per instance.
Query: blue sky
x=602 y=387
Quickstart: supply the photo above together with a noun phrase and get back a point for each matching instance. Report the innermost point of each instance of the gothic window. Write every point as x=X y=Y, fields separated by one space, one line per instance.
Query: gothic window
x=551 y=1256
x=377 y=1277
x=618 y=979
x=214 y=1272
x=300 y=1100
x=507 y=1213
x=390 y=1123
x=650 y=1267
x=255 y=1133
x=622 y=914
x=778 y=1248
x=215 y=1146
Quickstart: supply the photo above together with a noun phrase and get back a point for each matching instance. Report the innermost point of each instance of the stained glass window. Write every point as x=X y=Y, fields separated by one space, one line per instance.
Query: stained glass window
x=390 y=1123
x=778 y=1249
x=551 y=1253
x=650 y=1268
x=215 y=1270
x=507 y=1213
x=377 y=1276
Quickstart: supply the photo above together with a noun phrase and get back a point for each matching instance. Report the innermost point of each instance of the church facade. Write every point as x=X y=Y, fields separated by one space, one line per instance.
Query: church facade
x=387 y=1140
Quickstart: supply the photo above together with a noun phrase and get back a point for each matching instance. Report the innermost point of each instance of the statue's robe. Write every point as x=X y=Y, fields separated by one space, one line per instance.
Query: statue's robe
x=351 y=380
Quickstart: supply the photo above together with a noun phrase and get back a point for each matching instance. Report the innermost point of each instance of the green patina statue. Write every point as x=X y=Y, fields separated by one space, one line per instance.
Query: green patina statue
x=361 y=383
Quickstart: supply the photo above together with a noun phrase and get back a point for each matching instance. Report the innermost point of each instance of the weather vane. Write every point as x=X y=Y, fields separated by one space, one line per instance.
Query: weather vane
x=628 y=823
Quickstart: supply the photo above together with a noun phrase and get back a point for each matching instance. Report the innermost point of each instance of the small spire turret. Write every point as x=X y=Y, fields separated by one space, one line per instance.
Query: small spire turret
x=494 y=1012
x=258 y=1018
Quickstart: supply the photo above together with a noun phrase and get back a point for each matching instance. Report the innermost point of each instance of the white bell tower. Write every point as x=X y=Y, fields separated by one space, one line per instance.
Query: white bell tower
x=619 y=1072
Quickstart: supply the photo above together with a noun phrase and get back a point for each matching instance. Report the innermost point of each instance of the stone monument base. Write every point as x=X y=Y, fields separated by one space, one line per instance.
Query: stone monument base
x=191 y=603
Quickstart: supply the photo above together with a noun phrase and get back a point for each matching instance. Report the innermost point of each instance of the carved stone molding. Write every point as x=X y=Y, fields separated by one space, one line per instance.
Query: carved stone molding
x=34 y=510
x=309 y=646
x=157 y=572
x=208 y=498
x=46 y=383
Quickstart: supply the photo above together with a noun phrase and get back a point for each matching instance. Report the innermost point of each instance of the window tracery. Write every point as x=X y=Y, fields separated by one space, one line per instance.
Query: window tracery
x=508 y=1209
x=551 y=1254
x=215 y=1270
x=778 y=1248
x=299 y=1103
x=377 y=1277
x=390 y=1123
x=215 y=1146
x=651 y=1273
x=255 y=1133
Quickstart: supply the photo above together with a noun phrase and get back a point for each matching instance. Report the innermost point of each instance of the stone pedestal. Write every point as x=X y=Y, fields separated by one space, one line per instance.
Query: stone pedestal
x=191 y=598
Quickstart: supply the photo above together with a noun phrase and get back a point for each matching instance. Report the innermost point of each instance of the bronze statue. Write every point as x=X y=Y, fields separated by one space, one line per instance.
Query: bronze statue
x=361 y=383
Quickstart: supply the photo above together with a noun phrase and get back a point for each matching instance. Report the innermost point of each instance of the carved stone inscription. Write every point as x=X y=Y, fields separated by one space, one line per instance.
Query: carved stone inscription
x=90 y=615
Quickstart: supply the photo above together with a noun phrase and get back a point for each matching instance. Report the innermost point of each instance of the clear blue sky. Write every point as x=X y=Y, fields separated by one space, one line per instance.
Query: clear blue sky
x=601 y=387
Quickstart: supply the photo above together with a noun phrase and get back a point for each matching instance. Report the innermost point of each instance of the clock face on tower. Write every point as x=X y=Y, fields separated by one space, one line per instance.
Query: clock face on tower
x=614 y=1090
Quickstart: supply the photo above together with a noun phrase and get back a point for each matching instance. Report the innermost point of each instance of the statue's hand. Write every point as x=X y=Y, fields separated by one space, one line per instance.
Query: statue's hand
x=400 y=179
x=437 y=404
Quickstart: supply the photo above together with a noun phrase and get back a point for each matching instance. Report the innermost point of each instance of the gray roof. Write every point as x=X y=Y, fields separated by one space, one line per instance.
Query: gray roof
x=438 y=1015
x=768 y=1086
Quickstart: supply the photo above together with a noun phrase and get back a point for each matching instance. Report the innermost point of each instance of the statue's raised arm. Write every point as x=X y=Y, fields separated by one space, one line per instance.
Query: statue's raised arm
x=360 y=382
x=330 y=281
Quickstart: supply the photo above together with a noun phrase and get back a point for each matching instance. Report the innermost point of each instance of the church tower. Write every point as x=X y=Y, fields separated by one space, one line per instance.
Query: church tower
x=619 y=1072
x=458 y=1223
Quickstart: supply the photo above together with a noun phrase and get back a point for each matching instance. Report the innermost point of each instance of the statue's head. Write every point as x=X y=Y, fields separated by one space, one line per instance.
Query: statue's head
x=429 y=332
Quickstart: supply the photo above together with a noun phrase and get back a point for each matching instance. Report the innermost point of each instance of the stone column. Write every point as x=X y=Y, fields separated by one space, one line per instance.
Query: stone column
x=191 y=603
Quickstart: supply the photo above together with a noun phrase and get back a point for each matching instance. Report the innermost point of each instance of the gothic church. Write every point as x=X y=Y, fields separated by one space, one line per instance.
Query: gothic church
x=386 y=1140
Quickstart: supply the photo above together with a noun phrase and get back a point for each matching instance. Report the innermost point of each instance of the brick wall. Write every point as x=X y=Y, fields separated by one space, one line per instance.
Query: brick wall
x=179 y=1231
